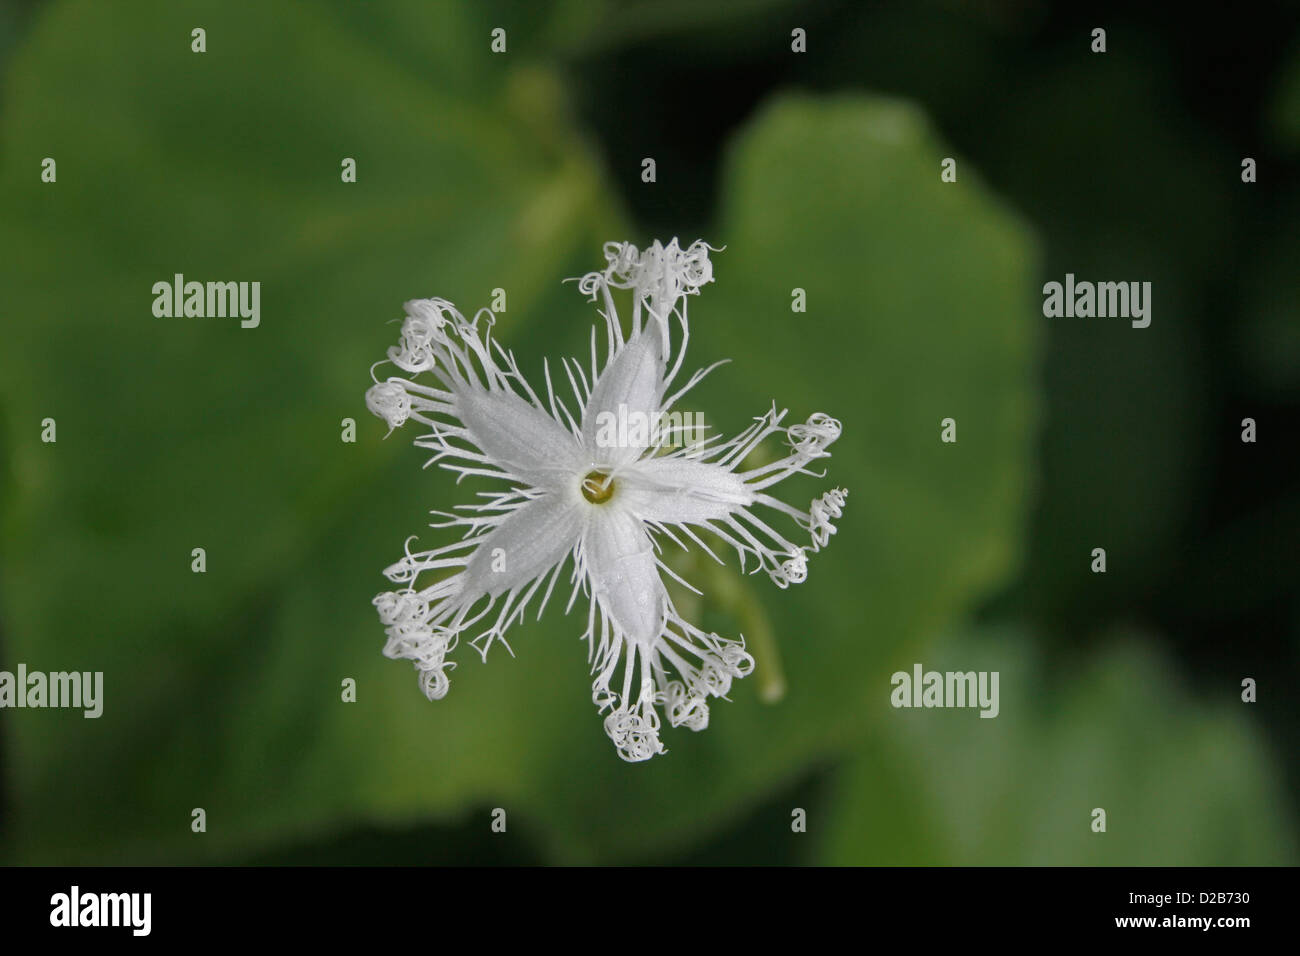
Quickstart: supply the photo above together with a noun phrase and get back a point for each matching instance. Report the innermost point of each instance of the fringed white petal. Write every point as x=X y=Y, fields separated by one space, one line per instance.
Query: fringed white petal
x=519 y=545
x=618 y=559
x=480 y=423
x=644 y=655
x=679 y=490
x=709 y=488
x=518 y=437
x=629 y=389
x=679 y=670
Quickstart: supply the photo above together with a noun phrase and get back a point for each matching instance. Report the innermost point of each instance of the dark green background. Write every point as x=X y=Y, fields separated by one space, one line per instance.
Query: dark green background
x=819 y=171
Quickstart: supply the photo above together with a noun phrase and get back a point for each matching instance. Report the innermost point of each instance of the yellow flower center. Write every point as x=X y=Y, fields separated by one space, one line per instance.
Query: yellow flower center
x=598 y=487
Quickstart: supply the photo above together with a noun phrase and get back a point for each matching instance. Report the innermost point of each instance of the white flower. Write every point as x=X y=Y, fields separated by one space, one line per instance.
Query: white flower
x=568 y=496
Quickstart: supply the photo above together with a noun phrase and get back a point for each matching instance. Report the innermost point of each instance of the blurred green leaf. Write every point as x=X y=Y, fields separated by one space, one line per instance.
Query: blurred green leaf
x=223 y=689
x=1285 y=108
x=1123 y=460
x=1183 y=781
x=598 y=28
x=1267 y=338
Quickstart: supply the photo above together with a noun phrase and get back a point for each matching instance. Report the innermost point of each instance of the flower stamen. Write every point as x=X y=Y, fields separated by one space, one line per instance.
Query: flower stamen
x=598 y=487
